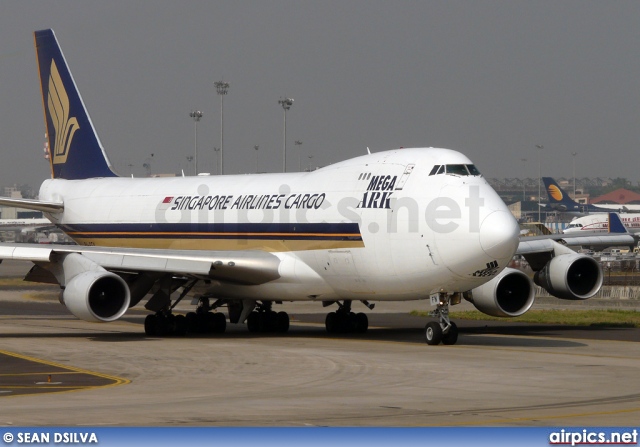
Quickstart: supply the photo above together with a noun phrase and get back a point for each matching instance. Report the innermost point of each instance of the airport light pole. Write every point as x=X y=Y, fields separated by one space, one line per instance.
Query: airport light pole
x=298 y=143
x=215 y=151
x=524 y=179
x=540 y=147
x=286 y=104
x=196 y=115
x=189 y=159
x=256 y=147
x=574 y=174
x=222 y=88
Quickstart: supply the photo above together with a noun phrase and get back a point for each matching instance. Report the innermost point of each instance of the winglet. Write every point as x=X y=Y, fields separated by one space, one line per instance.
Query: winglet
x=75 y=149
x=615 y=224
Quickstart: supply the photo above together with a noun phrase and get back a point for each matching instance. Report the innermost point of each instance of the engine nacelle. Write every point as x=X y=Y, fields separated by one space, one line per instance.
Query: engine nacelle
x=97 y=296
x=571 y=277
x=510 y=294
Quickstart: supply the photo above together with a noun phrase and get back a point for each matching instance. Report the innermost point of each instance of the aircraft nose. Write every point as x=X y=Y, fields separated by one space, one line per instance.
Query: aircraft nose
x=499 y=235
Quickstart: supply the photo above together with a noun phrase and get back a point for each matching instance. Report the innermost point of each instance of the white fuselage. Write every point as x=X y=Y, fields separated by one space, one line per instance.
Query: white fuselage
x=600 y=223
x=376 y=227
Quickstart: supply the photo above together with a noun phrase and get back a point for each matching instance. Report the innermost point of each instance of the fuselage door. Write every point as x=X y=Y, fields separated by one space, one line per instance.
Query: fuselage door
x=405 y=176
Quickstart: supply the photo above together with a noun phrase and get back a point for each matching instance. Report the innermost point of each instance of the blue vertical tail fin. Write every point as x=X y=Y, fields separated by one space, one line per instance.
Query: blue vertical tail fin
x=615 y=224
x=555 y=193
x=75 y=151
x=558 y=197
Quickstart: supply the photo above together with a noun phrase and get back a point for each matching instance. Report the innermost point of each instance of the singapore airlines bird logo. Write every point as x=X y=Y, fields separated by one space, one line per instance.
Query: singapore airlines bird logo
x=65 y=127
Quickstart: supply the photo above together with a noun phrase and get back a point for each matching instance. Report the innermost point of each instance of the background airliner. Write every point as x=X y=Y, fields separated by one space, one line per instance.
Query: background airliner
x=560 y=200
x=600 y=223
x=410 y=224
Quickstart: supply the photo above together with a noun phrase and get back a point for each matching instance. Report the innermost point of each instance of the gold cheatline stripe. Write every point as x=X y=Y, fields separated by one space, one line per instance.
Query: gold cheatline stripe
x=273 y=245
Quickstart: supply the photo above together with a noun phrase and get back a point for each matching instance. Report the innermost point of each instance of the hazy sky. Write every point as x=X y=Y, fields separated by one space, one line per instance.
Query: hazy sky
x=489 y=78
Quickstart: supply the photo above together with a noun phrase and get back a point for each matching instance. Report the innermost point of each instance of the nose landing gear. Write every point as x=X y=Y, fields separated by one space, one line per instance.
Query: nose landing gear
x=443 y=330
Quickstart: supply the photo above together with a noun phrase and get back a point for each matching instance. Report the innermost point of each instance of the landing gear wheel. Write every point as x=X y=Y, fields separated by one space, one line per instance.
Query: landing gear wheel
x=253 y=322
x=451 y=337
x=433 y=333
x=362 y=323
x=220 y=323
x=192 y=322
x=180 y=325
x=150 y=325
x=282 y=322
x=266 y=321
x=331 y=323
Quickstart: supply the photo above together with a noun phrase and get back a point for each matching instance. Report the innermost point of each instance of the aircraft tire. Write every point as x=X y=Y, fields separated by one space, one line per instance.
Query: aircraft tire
x=162 y=325
x=220 y=323
x=433 y=333
x=191 y=322
x=331 y=323
x=362 y=322
x=282 y=322
x=451 y=337
x=150 y=325
x=253 y=322
x=181 y=325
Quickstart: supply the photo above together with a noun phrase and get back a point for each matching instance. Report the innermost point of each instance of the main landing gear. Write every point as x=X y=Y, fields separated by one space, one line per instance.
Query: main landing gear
x=263 y=319
x=443 y=330
x=202 y=321
x=344 y=321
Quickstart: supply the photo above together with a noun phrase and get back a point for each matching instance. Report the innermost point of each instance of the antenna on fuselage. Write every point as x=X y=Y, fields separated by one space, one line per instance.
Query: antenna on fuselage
x=368 y=151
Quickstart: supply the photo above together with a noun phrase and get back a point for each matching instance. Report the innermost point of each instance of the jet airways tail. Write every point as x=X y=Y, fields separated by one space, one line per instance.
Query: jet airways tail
x=558 y=198
x=75 y=151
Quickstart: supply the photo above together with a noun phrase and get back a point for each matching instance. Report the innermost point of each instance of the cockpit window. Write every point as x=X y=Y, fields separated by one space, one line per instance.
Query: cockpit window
x=457 y=170
x=473 y=170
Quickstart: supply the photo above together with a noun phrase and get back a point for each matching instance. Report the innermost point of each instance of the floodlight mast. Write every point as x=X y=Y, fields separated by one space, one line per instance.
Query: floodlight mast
x=222 y=88
x=286 y=104
x=196 y=115
x=540 y=147
x=298 y=143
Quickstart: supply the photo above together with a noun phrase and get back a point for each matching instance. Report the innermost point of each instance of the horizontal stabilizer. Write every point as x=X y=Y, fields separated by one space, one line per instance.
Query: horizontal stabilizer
x=32 y=204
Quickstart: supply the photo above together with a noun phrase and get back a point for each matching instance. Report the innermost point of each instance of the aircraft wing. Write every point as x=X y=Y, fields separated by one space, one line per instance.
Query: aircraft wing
x=538 y=250
x=535 y=244
x=249 y=267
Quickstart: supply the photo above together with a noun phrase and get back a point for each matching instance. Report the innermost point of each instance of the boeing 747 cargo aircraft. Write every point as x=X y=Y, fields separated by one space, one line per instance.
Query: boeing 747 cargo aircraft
x=405 y=224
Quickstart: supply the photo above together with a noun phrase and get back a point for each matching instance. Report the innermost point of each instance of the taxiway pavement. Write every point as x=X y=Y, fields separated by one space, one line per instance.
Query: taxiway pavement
x=497 y=375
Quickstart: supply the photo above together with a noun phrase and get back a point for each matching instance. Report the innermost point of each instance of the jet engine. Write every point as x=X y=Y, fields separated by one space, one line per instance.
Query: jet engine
x=92 y=293
x=510 y=294
x=571 y=277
